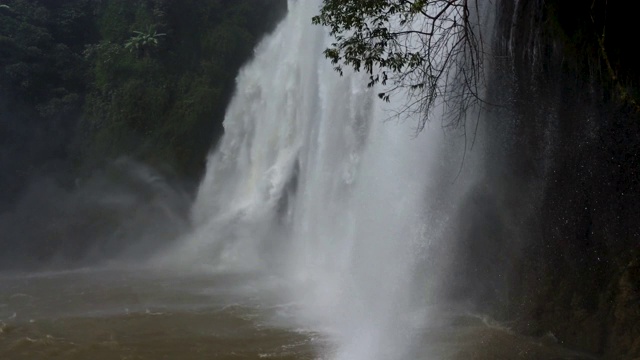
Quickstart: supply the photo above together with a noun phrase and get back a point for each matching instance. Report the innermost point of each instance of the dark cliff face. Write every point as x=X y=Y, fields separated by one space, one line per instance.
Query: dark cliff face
x=557 y=247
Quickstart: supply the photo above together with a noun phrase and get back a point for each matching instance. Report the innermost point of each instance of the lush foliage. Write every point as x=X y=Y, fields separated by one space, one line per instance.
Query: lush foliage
x=86 y=81
x=143 y=41
x=160 y=94
x=42 y=83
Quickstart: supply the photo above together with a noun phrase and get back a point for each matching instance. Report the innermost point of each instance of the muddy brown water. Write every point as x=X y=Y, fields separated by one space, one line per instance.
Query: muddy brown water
x=132 y=315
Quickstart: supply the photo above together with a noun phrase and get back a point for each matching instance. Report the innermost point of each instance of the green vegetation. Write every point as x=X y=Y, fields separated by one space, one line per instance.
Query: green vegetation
x=143 y=41
x=87 y=81
x=43 y=82
x=160 y=94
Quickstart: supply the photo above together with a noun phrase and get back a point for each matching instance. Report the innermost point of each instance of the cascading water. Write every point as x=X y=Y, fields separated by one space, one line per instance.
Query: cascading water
x=312 y=185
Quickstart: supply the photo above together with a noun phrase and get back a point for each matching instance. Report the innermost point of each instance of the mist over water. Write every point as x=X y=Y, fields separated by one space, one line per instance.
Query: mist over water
x=125 y=212
x=317 y=185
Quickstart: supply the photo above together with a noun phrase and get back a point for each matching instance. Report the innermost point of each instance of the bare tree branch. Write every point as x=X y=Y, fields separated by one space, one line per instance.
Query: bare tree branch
x=429 y=48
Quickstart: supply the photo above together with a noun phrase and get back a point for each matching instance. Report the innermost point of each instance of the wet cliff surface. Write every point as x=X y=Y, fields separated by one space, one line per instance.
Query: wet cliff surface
x=556 y=248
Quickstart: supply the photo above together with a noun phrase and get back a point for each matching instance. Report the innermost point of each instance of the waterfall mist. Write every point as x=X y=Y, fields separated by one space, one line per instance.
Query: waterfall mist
x=124 y=212
x=316 y=184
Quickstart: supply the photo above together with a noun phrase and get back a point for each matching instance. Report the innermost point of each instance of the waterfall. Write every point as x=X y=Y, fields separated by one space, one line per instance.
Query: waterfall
x=315 y=183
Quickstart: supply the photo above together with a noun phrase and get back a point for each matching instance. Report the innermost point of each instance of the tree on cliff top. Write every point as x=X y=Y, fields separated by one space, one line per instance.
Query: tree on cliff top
x=431 y=48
